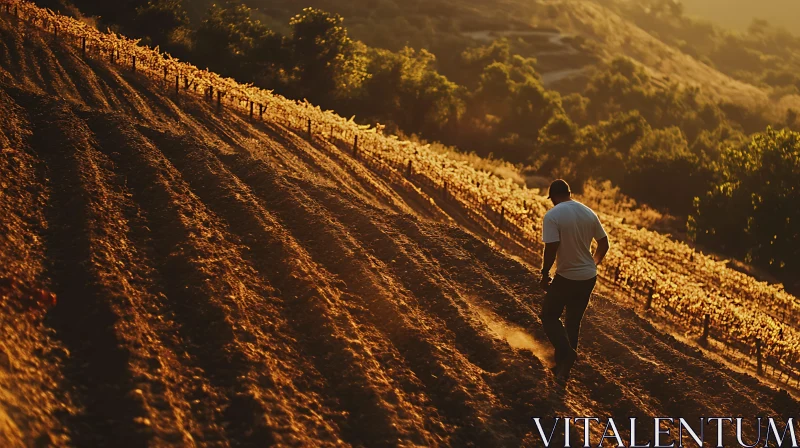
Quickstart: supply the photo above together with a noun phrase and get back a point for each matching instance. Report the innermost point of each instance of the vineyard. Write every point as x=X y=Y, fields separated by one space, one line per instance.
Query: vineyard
x=285 y=218
x=675 y=278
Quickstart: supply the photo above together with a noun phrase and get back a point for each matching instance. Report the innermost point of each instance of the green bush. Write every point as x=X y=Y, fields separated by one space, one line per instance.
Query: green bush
x=754 y=211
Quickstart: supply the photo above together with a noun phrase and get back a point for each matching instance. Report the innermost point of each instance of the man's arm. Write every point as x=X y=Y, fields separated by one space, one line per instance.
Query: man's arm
x=551 y=239
x=602 y=241
x=550 y=251
x=602 y=250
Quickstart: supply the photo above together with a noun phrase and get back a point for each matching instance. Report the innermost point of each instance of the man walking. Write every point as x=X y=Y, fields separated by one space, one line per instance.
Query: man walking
x=568 y=230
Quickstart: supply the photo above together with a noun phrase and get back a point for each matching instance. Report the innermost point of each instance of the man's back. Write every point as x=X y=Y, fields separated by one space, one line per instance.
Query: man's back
x=574 y=225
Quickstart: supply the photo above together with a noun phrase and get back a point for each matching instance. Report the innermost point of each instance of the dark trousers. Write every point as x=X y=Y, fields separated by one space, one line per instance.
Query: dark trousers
x=572 y=295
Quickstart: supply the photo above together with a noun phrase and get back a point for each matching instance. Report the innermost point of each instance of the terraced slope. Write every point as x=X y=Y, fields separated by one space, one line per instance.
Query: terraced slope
x=227 y=283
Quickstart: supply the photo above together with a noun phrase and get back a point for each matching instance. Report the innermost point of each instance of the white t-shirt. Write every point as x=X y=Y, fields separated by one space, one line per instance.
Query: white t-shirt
x=574 y=225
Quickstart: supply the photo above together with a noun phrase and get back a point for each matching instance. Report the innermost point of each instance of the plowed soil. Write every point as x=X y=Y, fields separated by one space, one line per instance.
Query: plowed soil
x=221 y=282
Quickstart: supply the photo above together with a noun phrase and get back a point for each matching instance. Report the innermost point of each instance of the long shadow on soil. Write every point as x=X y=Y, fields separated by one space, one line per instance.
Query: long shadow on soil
x=83 y=319
x=366 y=420
x=201 y=321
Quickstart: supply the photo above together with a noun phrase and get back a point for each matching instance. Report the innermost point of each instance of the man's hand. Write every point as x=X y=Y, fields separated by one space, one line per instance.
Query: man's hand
x=545 y=281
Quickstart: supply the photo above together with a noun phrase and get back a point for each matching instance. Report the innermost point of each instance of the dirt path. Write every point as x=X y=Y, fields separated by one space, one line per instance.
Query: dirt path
x=553 y=40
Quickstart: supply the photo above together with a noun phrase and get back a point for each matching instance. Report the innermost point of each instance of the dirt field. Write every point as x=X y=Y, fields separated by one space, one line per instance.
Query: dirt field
x=226 y=283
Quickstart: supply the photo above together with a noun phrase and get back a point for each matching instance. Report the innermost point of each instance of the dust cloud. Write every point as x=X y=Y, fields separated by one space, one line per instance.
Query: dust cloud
x=516 y=337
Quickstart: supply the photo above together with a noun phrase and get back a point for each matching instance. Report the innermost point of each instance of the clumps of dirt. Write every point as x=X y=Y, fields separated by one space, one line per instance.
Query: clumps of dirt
x=33 y=396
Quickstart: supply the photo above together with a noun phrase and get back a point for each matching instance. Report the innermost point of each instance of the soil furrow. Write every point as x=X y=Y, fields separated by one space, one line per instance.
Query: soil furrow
x=415 y=200
x=425 y=279
x=223 y=309
x=522 y=389
x=86 y=318
x=348 y=366
x=451 y=391
x=324 y=170
x=33 y=396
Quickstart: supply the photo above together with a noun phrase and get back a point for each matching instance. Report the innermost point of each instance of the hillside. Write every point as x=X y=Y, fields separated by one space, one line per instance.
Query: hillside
x=739 y=14
x=447 y=28
x=616 y=36
x=222 y=281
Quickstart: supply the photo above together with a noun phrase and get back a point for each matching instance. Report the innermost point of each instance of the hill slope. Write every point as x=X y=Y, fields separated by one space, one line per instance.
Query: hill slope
x=740 y=13
x=225 y=282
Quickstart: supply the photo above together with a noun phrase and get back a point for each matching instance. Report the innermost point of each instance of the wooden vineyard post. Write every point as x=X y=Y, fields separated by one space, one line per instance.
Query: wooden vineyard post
x=706 y=319
x=83 y=46
x=219 y=101
x=261 y=112
x=165 y=74
x=331 y=137
x=133 y=64
x=355 y=146
x=309 y=130
x=177 y=84
x=408 y=170
x=758 y=356
x=649 y=303
x=251 y=110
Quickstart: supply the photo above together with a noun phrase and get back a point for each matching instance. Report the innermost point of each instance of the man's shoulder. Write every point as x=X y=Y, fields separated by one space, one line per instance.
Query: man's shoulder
x=555 y=212
x=562 y=209
x=584 y=207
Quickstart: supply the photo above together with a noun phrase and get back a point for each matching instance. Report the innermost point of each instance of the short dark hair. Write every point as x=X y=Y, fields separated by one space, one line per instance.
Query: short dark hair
x=559 y=187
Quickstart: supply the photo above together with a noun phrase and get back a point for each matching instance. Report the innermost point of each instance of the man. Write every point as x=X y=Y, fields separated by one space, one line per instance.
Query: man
x=568 y=230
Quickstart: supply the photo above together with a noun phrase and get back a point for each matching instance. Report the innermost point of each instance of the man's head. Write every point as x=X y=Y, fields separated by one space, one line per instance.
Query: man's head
x=559 y=191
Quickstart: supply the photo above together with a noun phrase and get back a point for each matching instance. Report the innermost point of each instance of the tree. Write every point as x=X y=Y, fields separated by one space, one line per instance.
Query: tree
x=227 y=39
x=158 y=19
x=753 y=212
x=791 y=118
x=405 y=87
x=119 y=12
x=662 y=171
x=557 y=150
x=494 y=90
x=532 y=106
x=474 y=61
x=575 y=105
x=327 y=63
x=559 y=136
x=620 y=87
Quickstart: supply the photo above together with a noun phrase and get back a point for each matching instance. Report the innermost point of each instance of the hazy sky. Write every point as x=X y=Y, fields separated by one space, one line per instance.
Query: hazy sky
x=739 y=13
